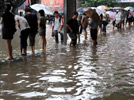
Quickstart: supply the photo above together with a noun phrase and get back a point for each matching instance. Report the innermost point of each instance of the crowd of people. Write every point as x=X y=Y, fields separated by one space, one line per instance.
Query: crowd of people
x=30 y=25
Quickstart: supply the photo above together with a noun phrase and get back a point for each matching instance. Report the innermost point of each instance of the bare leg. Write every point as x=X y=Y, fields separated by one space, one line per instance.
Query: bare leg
x=101 y=31
x=32 y=48
x=79 y=38
x=25 y=51
x=9 y=48
x=85 y=33
x=43 y=42
x=94 y=42
x=113 y=28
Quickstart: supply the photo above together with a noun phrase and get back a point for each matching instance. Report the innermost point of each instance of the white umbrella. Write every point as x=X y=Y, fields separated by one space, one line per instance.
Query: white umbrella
x=129 y=8
x=111 y=14
x=99 y=11
x=38 y=7
x=103 y=10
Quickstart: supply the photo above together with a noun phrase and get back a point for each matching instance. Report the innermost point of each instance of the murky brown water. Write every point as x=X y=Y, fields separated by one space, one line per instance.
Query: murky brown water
x=64 y=73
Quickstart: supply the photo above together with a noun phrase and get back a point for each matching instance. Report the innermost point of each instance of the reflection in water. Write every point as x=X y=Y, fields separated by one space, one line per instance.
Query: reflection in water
x=81 y=73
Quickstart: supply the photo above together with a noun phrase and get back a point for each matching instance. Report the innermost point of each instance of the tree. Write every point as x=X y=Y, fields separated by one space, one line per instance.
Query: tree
x=109 y=3
x=91 y=3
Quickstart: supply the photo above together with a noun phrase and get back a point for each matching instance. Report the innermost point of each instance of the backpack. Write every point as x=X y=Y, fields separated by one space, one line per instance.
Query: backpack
x=59 y=20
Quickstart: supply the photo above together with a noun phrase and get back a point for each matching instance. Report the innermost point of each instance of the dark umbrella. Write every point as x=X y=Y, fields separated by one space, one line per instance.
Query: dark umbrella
x=92 y=14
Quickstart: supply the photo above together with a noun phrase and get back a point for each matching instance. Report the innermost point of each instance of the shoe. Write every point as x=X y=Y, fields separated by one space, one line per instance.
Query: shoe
x=9 y=58
x=42 y=50
x=23 y=54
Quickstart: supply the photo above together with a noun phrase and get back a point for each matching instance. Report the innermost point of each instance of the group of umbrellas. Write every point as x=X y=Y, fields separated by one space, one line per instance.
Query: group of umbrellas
x=95 y=12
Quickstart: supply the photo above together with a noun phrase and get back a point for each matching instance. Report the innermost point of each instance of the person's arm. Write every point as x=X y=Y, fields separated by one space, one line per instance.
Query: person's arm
x=61 y=26
x=69 y=28
x=1 y=20
x=18 y=24
x=90 y=22
x=52 y=27
x=39 y=22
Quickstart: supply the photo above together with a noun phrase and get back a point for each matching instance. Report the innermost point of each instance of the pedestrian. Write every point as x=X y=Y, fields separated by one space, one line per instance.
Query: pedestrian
x=133 y=18
x=61 y=29
x=118 y=20
x=94 y=31
x=73 y=29
x=55 y=27
x=100 y=23
x=104 y=24
x=122 y=19
x=113 y=22
x=130 y=16
x=42 y=29
x=25 y=30
x=84 y=23
x=8 y=29
x=33 y=22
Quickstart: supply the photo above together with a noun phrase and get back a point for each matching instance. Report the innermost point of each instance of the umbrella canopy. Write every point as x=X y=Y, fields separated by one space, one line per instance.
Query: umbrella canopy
x=129 y=8
x=99 y=11
x=92 y=14
x=103 y=7
x=103 y=10
x=111 y=14
x=38 y=7
x=80 y=11
x=118 y=8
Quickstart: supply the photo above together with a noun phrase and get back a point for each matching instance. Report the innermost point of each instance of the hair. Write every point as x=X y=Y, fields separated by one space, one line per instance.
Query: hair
x=8 y=7
x=42 y=13
x=28 y=9
x=21 y=13
x=76 y=13
x=101 y=16
x=84 y=14
x=56 y=12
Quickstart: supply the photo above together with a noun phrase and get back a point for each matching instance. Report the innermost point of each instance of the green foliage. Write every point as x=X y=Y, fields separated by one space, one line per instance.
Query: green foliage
x=109 y=3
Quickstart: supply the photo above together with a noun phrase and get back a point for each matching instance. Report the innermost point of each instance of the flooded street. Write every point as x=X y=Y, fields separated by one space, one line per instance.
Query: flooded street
x=64 y=73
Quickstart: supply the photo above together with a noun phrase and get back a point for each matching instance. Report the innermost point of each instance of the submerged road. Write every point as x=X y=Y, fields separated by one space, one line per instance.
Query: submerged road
x=64 y=73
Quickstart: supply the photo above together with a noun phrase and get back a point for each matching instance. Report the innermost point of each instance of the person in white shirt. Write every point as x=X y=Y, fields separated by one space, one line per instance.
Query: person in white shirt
x=56 y=25
x=25 y=30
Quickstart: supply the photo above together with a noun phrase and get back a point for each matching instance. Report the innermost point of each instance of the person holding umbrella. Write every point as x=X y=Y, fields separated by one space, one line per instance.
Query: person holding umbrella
x=93 y=24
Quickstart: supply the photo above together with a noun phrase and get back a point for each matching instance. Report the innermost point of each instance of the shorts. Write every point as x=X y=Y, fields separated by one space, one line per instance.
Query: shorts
x=42 y=32
x=123 y=22
x=72 y=35
x=6 y=34
x=114 y=22
x=100 y=24
x=94 y=33
x=84 y=27
x=32 y=38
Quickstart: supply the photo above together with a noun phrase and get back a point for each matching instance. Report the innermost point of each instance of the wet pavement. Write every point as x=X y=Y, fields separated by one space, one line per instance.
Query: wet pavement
x=64 y=73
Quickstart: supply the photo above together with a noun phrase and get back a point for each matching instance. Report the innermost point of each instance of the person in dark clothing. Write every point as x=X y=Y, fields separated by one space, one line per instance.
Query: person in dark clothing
x=73 y=29
x=8 y=29
x=33 y=23
x=100 y=23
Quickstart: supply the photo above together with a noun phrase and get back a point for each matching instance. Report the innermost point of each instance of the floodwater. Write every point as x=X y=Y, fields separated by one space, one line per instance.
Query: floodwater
x=64 y=73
